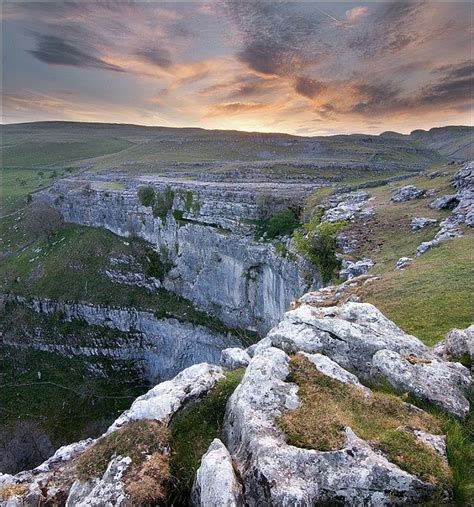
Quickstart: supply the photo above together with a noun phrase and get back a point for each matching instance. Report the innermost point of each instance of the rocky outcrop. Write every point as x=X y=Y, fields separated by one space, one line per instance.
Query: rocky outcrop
x=447 y=232
x=163 y=346
x=458 y=343
x=419 y=223
x=275 y=473
x=445 y=202
x=215 y=484
x=407 y=193
x=362 y=340
x=352 y=269
x=161 y=402
x=348 y=207
x=207 y=233
x=55 y=481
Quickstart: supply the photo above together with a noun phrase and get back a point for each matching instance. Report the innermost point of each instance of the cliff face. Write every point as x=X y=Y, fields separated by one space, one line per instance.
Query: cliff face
x=161 y=347
x=207 y=236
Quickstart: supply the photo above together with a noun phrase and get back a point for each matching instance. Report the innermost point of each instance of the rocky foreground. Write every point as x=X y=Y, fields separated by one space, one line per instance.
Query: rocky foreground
x=341 y=343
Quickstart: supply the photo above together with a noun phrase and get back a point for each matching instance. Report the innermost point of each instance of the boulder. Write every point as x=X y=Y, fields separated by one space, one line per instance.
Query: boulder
x=458 y=342
x=275 y=473
x=445 y=202
x=407 y=193
x=403 y=262
x=216 y=484
x=347 y=207
x=352 y=269
x=419 y=223
x=163 y=400
x=234 y=358
x=442 y=383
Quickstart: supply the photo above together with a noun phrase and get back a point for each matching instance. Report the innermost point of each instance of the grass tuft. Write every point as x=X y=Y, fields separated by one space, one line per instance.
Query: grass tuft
x=328 y=406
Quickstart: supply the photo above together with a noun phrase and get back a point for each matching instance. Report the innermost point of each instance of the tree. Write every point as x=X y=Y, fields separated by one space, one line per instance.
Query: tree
x=41 y=219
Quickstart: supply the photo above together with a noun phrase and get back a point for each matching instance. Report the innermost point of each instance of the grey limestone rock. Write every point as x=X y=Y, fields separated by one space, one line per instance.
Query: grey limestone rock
x=234 y=357
x=419 y=223
x=352 y=269
x=407 y=193
x=216 y=484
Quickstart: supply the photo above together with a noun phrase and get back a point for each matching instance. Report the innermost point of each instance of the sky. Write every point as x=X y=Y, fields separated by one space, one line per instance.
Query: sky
x=305 y=68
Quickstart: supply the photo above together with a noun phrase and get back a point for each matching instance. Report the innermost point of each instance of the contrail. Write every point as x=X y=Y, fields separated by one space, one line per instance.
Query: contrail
x=328 y=15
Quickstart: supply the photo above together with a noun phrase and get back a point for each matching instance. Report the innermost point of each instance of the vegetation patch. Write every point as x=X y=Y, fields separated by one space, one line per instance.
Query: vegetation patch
x=193 y=430
x=317 y=242
x=146 y=196
x=163 y=203
x=158 y=264
x=10 y=490
x=146 y=444
x=281 y=223
x=328 y=406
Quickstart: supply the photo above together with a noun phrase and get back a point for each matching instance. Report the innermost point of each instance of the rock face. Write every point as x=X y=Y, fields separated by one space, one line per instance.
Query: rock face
x=352 y=269
x=215 y=484
x=419 y=223
x=358 y=337
x=205 y=232
x=163 y=346
x=275 y=473
x=407 y=193
x=448 y=231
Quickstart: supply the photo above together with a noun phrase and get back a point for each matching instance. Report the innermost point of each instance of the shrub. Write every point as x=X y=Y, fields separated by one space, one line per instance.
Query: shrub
x=163 y=203
x=281 y=223
x=317 y=242
x=42 y=220
x=158 y=264
x=146 y=196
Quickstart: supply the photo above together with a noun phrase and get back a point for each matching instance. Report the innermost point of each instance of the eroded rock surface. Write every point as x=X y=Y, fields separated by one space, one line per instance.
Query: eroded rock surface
x=419 y=223
x=458 y=342
x=216 y=484
x=352 y=269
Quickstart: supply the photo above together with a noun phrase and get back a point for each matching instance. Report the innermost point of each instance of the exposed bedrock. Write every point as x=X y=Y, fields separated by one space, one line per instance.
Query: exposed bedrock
x=163 y=346
x=208 y=235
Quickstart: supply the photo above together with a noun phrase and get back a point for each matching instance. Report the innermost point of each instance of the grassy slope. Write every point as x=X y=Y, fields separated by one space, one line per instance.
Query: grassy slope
x=435 y=293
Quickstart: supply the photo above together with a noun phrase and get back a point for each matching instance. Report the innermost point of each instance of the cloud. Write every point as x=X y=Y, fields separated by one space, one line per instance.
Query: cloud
x=156 y=56
x=355 y=13
x=235 y=108
x=56 y=51
x=309 y=88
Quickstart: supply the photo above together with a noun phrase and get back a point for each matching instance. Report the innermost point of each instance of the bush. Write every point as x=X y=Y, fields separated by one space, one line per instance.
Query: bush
x=146 y=196
x=163 y=203
x=42 y=220
x=281 y=223
x=158 y=264
x=317 y=242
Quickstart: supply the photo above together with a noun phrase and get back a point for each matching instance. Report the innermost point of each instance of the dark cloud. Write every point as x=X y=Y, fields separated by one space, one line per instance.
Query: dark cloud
x=156 y=56
x=457 y=70
x=57 y=51
x=277 y=37
x=309 y=88
x=375 y=97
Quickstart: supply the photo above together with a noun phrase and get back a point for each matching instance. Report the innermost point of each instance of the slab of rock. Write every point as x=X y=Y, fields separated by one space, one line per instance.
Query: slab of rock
x=347 y=207
x=407 y=193
x=234 y=358
x=332 y=369
x=107 y=491
x=161 y=402
x=419 y=223
x=275 y=473
x=216 y=484
x=457 y=343
x=440 y=382
x=352 y=269
x=403 y=262
x=445 y=202
x=353 y=334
